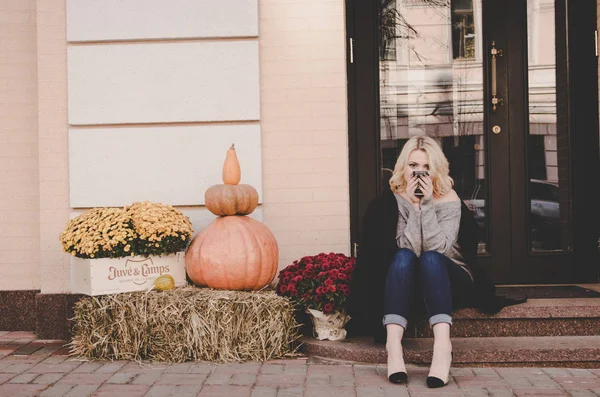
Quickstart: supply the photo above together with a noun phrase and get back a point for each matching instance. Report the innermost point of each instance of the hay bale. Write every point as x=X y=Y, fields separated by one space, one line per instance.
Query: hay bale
x=185 y=324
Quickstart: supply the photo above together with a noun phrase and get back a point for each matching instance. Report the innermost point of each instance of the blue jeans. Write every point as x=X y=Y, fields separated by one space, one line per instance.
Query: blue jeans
x=441 y=282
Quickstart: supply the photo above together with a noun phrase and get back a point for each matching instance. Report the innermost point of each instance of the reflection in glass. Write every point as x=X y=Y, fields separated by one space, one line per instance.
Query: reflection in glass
x=431 y=83
x=543 y=167
x=463 y=29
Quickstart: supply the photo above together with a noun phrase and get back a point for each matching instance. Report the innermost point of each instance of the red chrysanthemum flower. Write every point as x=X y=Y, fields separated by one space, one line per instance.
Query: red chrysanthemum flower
x=320 y=282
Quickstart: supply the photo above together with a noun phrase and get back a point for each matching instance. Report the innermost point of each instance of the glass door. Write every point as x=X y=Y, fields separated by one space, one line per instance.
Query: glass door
x=489 y=81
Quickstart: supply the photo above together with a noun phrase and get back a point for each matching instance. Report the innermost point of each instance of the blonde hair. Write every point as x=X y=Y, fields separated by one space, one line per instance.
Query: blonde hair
x=438 y=166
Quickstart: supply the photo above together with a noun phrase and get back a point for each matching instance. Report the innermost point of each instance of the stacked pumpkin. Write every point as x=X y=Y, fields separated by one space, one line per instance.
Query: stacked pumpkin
x=234 y=252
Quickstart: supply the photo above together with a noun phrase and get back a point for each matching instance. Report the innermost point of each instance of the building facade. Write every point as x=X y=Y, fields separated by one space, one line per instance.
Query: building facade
x=107 y=103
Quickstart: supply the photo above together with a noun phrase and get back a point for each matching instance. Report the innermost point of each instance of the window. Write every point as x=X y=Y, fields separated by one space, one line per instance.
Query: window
x=536 y=154
x=388 y=26
x=463 y=29
x=539 y=190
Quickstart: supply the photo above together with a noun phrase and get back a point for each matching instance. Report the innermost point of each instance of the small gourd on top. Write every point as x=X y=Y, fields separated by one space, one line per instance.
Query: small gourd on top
x=231 y=198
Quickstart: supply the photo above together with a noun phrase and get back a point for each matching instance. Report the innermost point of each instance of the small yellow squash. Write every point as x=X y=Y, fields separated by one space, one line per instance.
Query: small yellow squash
x=164 y=282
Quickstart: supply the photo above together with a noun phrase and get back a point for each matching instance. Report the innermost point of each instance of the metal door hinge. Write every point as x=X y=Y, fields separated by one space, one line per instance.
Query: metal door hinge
x=355 y=248
x=351 y=45
x=596 y=41
x=598 y=243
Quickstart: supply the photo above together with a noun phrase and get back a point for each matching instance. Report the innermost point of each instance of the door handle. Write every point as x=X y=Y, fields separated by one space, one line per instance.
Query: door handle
x=496 y=52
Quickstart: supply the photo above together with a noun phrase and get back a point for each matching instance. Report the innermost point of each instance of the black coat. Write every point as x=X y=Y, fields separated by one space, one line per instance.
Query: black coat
x=376 y=251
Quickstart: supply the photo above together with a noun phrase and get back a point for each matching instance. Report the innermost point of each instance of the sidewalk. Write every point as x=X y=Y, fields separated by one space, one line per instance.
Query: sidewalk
x=31 y=367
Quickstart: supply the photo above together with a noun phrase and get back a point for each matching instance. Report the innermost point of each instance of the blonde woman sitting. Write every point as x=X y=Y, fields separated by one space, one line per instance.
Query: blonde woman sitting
x=414 y=242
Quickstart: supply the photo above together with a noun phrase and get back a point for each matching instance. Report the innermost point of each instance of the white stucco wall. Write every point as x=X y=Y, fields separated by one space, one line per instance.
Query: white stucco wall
x=163 y=82
x=159 y=19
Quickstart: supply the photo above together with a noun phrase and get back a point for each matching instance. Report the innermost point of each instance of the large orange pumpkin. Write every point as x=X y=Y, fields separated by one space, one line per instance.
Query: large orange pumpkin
x=226 y=199
x=235 y=253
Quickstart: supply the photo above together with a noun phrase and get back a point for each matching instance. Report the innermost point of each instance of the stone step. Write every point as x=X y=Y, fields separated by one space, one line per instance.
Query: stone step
x=548 y=351
x=536 y=317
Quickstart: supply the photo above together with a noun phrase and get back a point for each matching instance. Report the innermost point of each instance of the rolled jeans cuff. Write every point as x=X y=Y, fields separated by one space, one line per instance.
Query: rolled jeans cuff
x=440 y=318
x=395 y=319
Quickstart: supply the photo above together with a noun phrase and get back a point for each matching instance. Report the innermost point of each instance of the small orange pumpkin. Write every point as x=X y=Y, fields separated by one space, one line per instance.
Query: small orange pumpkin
x=232 y=173
x=231 y=199
x=234 y=253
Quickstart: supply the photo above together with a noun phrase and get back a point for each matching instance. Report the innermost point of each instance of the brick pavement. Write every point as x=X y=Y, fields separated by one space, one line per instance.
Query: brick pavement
x=30 y=367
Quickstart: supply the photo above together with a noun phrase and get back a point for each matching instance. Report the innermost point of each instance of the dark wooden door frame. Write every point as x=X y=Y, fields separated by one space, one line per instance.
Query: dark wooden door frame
x=362 y=94
x=580 y=63
x=497 y=164
x=582 y=117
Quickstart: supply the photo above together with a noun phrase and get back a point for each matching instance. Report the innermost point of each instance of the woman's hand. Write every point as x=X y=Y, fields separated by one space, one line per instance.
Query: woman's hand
x=427 y=187
x=411 y=186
